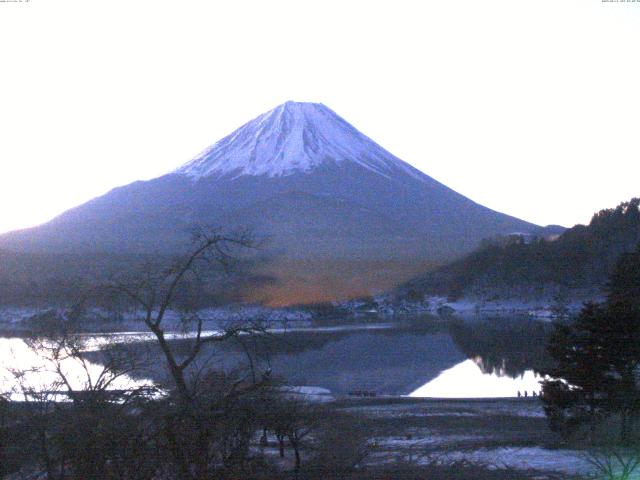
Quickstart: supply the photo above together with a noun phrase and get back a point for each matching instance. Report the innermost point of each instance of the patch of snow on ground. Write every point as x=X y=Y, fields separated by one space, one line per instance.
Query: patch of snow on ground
x=430 y=440
x=465 y=408
x=308 y=393
x=565 y=461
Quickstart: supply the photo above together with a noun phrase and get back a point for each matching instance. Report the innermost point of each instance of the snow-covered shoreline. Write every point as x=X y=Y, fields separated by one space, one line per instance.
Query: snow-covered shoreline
x=378 y=309
x=542 y=307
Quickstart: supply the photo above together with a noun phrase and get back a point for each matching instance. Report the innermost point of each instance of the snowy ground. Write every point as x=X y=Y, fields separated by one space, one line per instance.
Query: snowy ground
x=497 y=433
x=569 y=462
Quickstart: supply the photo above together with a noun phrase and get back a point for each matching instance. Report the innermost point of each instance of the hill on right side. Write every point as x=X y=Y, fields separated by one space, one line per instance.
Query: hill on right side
x=517 y=265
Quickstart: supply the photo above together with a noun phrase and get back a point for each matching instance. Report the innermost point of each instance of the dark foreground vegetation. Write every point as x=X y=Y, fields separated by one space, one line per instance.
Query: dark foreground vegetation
x=338 y=441
x=597 y=356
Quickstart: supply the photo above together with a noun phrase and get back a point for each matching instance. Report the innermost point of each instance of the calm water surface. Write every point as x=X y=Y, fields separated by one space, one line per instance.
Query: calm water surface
x=489 y=358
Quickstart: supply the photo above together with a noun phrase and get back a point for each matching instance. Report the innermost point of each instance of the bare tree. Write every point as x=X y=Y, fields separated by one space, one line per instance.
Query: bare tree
x=342 y=444
x=206 y=421
x=97 y=433
x=158 y=289
x=293 y=417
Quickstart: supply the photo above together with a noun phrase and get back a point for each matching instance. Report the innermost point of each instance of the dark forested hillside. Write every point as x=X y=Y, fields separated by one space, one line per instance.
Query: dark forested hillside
x=582 y=256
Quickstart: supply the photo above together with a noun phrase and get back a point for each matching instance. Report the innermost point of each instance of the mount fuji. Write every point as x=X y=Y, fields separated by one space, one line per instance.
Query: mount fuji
x=343 y=216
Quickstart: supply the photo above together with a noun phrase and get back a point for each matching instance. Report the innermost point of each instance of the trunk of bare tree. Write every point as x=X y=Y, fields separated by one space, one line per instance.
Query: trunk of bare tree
x=176 y=372
x=281 y=445
x=296 y=450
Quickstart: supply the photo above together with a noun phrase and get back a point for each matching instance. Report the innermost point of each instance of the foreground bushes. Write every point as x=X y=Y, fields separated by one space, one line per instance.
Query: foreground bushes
x=143 y=438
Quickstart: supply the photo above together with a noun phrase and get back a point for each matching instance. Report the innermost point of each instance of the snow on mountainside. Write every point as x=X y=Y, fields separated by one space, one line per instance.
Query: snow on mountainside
x=293 y=137
x=341 y=216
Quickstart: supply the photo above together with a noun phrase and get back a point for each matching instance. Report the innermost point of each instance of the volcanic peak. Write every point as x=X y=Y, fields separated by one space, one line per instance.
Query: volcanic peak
x=293 y=137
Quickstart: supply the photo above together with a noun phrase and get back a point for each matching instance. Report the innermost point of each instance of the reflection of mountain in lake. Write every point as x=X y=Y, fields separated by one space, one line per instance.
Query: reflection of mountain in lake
x=396 y=361
x=503 y=346
x=385 y=361
x=393 y=362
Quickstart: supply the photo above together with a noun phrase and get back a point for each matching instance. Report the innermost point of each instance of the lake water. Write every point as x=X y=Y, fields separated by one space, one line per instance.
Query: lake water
x=459 y=360
x=25 y=369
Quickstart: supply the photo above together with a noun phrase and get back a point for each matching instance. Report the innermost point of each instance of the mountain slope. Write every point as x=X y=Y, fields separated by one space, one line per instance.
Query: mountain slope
x=301 y=176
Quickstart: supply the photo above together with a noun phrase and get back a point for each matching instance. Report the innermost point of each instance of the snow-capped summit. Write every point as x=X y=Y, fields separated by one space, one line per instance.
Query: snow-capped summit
x=293 y=137
x=342 y=216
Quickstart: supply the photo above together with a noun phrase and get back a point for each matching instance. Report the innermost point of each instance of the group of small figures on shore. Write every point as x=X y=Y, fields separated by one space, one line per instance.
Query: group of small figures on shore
x=363 y=393
x=526 y=394
x=370 y=393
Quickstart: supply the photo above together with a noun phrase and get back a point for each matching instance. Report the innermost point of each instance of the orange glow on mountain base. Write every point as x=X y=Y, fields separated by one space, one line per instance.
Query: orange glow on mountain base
x=313 y=281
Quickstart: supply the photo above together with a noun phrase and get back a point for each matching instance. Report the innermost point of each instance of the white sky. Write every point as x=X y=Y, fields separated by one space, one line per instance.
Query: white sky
x=528 y=107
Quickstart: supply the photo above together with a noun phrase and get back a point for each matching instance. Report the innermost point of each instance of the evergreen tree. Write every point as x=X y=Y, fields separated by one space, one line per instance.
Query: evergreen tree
x=597 y=358
x=576 y=392
x=624 y=284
